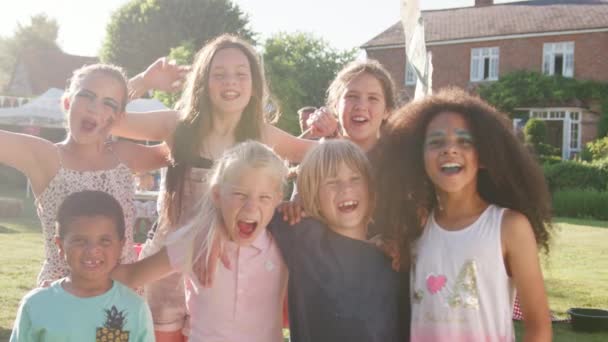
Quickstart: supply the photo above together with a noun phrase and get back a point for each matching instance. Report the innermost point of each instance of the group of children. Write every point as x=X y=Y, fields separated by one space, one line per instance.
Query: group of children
x=442 y=184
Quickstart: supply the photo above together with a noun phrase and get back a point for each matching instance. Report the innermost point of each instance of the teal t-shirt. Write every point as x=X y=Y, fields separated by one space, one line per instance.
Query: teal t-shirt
x=52 y=314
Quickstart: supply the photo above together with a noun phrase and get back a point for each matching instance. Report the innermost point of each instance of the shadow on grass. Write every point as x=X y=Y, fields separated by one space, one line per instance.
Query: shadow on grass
x=5 y=333
x=581 y=222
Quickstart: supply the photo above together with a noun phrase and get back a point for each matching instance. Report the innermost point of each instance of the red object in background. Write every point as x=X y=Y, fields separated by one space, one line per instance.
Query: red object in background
x=285 y=315
x=137 y=247
x=31 y=130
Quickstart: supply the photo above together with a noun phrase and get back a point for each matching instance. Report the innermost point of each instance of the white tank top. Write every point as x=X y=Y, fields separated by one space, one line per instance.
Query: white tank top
x=460 y=288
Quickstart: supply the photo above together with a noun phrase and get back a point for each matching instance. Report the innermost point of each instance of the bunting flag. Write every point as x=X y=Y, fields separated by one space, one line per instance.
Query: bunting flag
x=415 y=47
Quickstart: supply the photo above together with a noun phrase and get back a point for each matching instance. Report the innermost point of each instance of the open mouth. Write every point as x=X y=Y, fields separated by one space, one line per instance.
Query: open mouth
x=92 y=264
x=451 y=168
x=246 y=228
x=359 y=120
x=229 y=95
x=88 y=125
x=348 y=206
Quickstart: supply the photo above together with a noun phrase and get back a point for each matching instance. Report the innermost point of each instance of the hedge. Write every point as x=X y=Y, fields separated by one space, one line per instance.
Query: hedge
x=571 y=174
x=590 y=204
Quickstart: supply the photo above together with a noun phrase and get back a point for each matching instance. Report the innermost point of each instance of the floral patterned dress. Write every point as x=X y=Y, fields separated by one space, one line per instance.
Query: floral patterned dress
x=117 y=181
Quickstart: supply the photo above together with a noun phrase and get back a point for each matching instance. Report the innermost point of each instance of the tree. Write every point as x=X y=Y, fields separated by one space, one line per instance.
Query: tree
x=143 y=30
x=40 y=33
x=299 y=68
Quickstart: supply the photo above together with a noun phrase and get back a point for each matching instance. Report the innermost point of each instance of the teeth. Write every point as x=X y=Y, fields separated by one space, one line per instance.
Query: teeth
x=451 y=165
x=359 y=119
x=248 y=221
x=347 y=204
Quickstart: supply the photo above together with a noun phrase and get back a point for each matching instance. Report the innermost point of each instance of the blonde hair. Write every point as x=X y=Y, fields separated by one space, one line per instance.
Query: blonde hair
x=202 y=228
x=110 y=70
x=351 y=71
x=322 y=162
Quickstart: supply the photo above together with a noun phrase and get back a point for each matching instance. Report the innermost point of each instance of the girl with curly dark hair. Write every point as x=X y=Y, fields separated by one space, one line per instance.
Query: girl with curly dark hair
x=469 y=207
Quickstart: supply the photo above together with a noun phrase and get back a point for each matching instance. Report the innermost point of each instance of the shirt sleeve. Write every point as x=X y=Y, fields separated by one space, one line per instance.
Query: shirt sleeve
x=22 y=330
x=178 y=247
x=291 y=239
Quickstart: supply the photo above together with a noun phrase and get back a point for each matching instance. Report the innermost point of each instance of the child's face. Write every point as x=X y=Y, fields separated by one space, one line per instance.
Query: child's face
x=361 y=109
x=230 y=82
x=248 y=203
x=344 y=200
x=91 y=248
x=450 y=156
x=93 y=107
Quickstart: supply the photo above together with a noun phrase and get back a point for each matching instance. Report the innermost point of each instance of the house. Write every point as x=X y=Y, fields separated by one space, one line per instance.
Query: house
x=37 y=70
x=474 y=45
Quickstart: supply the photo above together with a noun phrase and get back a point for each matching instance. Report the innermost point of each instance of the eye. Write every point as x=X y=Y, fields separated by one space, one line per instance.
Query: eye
x=265 y=198
x=355 y=179
x=374 y=99
x=243 y=75
x=85 y=94
x=218 y=76
x=113 y=105
x=434 y=143
x=465 y=141
x=78 y=241
x=106 y=242
x=239 y=194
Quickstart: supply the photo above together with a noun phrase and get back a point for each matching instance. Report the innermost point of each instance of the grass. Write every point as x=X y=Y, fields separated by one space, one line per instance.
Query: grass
x=576 y=272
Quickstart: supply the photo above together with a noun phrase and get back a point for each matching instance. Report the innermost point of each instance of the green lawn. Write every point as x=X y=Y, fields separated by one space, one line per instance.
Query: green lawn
x=576 y=272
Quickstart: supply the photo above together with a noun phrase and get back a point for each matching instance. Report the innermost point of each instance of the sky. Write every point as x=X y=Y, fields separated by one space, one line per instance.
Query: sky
x=344 y=24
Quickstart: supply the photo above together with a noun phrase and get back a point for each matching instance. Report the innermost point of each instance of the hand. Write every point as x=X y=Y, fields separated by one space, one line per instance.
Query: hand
x=292 y=211
x=322 y=123
x=164 y=75
x=390 y=248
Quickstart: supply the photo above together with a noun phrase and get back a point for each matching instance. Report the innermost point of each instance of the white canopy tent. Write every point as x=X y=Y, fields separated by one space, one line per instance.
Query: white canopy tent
x=46 y=111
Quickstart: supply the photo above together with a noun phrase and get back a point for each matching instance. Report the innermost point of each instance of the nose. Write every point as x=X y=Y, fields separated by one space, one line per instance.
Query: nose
x=230 y=78
x=92 y=248
x=450 y=148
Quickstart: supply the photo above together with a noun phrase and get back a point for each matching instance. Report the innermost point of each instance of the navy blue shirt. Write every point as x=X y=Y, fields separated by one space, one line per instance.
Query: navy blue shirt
x=340 y=289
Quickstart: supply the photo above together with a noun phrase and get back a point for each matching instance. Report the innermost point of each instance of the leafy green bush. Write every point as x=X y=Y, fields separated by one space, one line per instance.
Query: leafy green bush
x=581 y=203
x=535 y=131
x=571 y=174
x=598 y=148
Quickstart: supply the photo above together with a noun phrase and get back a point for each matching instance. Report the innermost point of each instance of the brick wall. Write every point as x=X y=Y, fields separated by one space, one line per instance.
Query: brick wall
x=451 y=63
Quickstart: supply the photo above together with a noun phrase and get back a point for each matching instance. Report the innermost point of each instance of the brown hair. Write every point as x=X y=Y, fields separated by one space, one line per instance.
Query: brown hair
x=110 y=70
x=323 y=161
x=510 y=178
x=198 y=121
x=351 y=71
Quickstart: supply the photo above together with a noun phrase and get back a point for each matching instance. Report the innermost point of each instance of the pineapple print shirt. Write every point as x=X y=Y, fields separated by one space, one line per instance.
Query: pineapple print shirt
x=52 y=314
x=460 y=288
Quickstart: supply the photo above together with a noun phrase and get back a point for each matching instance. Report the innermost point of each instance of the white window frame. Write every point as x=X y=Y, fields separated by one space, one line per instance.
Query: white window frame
x=551 y=50
x=479 y=57
x=410 y=75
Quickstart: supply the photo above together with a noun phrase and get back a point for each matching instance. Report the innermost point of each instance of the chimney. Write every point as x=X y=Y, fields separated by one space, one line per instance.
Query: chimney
x=481 y=3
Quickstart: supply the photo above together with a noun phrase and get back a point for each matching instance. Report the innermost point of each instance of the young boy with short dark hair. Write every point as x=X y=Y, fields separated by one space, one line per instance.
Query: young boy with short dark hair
x=87 y=305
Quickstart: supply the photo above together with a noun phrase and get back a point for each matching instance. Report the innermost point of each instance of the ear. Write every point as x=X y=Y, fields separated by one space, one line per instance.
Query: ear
x=66 y=103
x=59 y=244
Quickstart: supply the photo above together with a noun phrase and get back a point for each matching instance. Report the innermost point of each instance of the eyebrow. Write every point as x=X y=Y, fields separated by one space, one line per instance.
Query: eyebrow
x=437 y=133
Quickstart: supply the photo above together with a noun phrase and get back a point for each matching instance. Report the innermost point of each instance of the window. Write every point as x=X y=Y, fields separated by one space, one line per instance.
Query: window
x=558 y=59
x=484 y=64
x=410 y=75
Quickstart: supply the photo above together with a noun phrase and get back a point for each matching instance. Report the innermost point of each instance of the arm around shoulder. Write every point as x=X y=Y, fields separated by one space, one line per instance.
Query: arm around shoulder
x=522 y=262
x=141 y=158
x=286 y=145
x=143 y=271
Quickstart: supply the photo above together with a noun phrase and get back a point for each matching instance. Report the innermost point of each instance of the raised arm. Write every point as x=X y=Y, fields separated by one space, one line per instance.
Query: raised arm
x=285 y=144
x=164 y=74
x=149 y=269
x=35 y=157
x=522 y=262
x=151 y=126
x=141 y=158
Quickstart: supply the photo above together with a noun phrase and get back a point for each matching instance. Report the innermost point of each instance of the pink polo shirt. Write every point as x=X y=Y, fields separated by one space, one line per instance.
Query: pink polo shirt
x=245 y=303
